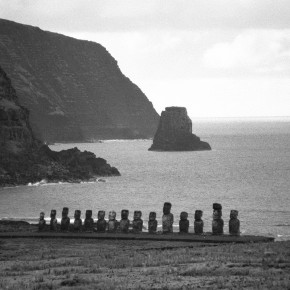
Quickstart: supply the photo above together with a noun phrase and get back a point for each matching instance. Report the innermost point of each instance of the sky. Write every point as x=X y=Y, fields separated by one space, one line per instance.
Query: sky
x=217 y=58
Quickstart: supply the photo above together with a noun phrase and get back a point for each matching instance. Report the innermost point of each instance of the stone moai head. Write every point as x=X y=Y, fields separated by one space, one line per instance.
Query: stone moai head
x=124 y=214
x=234 y=214
x=65 y=212
x=166 y=208
x=198 y=215
x=137 y=214
x=112 y=215
x=41 y=215
x=183 y=216
x=89 y=214
x=77 y=214
x=217 y=211
x=53 y=213
x=101 y=214
x=152 y=216
x=217 y=206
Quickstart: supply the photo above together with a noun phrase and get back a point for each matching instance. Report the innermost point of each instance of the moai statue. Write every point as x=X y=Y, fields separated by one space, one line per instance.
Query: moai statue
x=42 y=222
x=112 y=224
x=124 y=222
x=89 y=222
x=152 y=223
x=101 y=223
x=198 y=223
x=167 y=219
x=137 y=222
x=53 y=221
x=183 y=223
x=78 y=222
x=234 y=223
x=217 y=223
x=65 y=221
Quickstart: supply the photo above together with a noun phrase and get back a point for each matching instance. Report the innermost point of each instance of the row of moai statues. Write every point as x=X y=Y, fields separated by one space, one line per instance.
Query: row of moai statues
x=137 y=225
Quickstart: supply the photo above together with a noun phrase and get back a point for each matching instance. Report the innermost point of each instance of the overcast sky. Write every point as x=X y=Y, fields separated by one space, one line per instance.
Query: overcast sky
x=218 y=58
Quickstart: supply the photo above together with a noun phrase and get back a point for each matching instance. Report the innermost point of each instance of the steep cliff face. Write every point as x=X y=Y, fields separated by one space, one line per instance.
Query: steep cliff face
x=15 y=131
x=74 y=89
x=174 y=132
x=23 y=158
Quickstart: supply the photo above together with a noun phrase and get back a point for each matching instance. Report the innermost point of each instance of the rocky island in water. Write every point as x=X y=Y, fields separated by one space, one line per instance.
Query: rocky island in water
x=24 y=158
x=174 y=132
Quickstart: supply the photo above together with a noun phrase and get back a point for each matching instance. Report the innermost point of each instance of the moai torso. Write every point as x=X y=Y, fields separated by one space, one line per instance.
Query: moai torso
x=65 y=221
x=198 y=223
x=53 y=220
x=89 y=222
x=137 y=222
x=183 y=223
x=234 y=223
x=101 y=223
x=124 y=222
x=78 y=222
x=217 y=223
x=167 y=219
x=152 y=223
x=42 y=222
x=112 y=224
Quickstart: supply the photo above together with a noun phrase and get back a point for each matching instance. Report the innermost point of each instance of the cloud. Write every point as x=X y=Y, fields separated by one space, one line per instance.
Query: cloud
x=132 y=15
x=256 y=51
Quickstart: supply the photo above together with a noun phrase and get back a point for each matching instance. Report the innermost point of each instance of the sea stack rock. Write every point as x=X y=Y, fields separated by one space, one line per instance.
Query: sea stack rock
x=174 y=132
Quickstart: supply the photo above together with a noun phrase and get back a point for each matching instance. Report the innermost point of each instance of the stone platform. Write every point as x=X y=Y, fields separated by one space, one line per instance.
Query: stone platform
x=206 y=238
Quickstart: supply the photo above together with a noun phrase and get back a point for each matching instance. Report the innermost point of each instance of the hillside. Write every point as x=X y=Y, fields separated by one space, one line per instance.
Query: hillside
x=73 y=88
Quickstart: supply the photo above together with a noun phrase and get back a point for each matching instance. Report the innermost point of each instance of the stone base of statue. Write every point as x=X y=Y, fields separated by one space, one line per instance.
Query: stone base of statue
x=112 y=224
x=167 y=223
x=89 y=222
x=124 y=225
x=152 y=223
x=217 y=226
x=65 y=221
x=234 y=223
x=198 y=227
x=183 y=223
x=137 y=222
x=198 y=223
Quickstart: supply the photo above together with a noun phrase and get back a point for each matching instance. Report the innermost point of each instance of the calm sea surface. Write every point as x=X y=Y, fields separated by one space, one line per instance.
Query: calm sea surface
x=248 y=170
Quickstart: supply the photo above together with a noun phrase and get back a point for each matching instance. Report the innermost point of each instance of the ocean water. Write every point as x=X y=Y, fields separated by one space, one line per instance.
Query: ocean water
x=248 y=170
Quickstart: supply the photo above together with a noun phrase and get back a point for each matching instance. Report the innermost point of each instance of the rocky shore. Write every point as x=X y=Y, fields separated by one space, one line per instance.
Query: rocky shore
x=24 y=158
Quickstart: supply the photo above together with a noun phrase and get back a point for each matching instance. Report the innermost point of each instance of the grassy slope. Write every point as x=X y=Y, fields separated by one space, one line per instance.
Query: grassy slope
x=93 y=264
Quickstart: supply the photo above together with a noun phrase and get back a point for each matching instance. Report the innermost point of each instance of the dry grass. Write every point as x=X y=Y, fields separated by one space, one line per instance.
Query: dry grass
x=96 y=264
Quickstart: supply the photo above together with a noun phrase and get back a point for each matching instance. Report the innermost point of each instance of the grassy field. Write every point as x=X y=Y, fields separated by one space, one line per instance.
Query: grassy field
x=97 y=264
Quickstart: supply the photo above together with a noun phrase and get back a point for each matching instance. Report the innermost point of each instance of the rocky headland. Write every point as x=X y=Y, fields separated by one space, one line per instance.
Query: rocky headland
x=24 y=158
x=174 y=132
x=74 y=89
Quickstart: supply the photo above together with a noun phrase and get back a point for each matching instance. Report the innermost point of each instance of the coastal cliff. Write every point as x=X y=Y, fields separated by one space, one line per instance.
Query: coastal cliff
x=174 y=132
x=24 y=158
x=73 y=88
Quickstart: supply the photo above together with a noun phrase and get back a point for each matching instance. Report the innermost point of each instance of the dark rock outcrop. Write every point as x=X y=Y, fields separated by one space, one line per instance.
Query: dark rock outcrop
x=23 y=158
x=174 y=132
x=73 y=88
